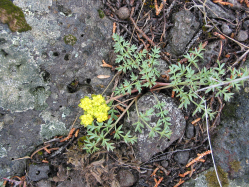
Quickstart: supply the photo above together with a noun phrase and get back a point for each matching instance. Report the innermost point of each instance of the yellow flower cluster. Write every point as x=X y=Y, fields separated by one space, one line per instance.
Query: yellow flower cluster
x=93 y=108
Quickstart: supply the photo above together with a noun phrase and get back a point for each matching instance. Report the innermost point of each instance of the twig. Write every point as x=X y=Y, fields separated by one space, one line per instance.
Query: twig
x=198 y=158
x=39 y=150
x=137 y=17
x=239 y=59
x=179 y=183
x=129 y=33
x=141 y=32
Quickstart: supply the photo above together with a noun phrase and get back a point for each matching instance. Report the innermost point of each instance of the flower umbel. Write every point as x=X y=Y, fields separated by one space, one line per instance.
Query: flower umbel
x=93 y=108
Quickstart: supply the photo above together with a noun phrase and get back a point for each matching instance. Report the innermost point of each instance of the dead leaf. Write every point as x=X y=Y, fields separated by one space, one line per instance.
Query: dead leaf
x=103 y=76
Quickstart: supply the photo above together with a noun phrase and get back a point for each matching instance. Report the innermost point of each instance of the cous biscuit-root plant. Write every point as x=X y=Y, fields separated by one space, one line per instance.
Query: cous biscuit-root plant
x=187 y=81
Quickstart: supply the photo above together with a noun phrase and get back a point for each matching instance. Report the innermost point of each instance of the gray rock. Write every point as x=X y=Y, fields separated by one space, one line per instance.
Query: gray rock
x=246 y=24
x=226 y=29
x=38 y=97
x=211 y=53
x=146 y=147
x=185 y=26
x=236 y=4
x=38 y=172
x=125 y=178
x=165 y=163
x=242 y=36
x=182 y=157
x=216 y=11
x=43 y=183
x=123 y=13
x=190 y=131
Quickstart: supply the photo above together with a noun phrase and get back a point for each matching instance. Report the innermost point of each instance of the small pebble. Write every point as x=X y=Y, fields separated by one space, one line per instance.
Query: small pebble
x=246 y=24
x=165 y=163
x=226 y=29
x=123 y=13
x=125 y=178
x=190 y=131
x=182 y=157
x=242 y=36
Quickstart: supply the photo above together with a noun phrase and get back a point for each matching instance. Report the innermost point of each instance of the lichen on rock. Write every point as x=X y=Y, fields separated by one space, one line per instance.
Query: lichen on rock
x=13 y=16
x=212 y=179
x=70 y=39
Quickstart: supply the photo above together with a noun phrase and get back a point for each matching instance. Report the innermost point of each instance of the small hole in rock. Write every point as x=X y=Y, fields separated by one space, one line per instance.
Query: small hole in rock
x=37 y=172
x=56 y=54
x=73 y=86
x=4 y=52
x=88 y=81
x=66 y=57
x=82 y=35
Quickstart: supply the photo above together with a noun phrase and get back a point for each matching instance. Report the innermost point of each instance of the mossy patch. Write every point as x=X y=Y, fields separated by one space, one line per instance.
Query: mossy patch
x=101 y=13
x=13 y=16
x=70 y=39
x=229 y=111
x=212 y=179
x=81 y=141
x=235 y=165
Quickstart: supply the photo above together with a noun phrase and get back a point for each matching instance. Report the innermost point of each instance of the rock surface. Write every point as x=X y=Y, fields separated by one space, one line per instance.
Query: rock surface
x=38 y=172
x=242 y=36
x=43 y=78
x=216 y=11
x=146 y=147
x=125 y=178
x=185 y=26
x=226 y=29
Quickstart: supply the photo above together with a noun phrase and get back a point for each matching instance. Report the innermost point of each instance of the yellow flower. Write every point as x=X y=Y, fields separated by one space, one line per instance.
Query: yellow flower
x=85 y=103
x=86 y=119
x=95 y=108
x=98 y=100
x=101 y=116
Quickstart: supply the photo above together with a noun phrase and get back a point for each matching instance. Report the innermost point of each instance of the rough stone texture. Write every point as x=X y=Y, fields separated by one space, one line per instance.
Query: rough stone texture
x=246 y=24
x=236 y=4
x=182 y=157
x=123 y=13
x=184 y=29
x=38 y=172
x=146 y=147
x=190 y=131
x=242 y=36
x=125 y=178
x=231 y=141
x=216 y=11
x=211 y=53
x=38 y=72
x=226 y=29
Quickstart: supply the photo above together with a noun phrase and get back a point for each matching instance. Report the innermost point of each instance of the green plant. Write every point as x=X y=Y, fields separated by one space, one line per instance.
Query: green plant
x=143 y=61
x=162 y=125
x=96 y=108
x=186 y=81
